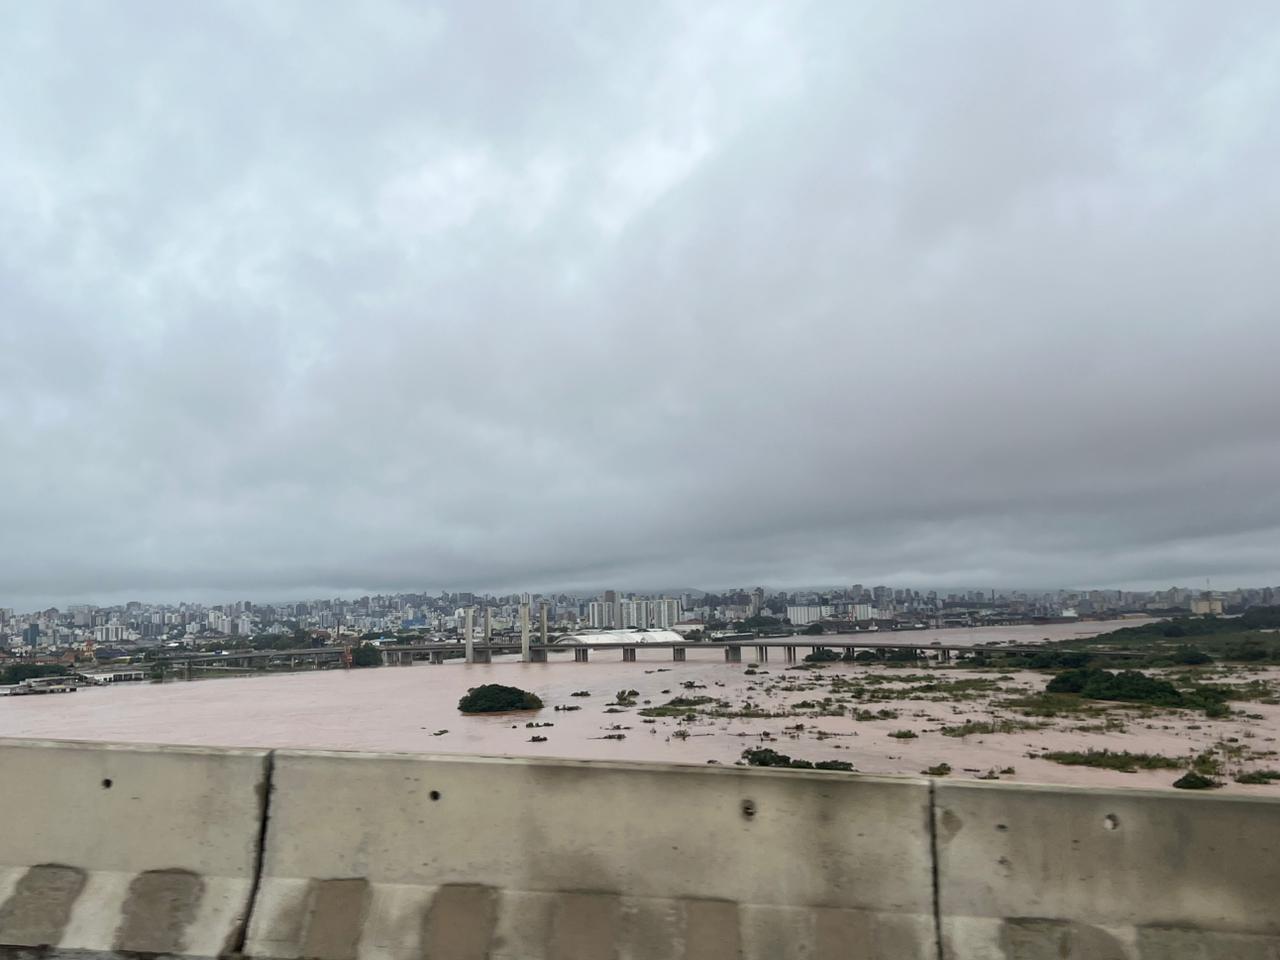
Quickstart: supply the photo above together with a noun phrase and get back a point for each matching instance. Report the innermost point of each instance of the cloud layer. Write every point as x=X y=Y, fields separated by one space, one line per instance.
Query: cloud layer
x=313 y=295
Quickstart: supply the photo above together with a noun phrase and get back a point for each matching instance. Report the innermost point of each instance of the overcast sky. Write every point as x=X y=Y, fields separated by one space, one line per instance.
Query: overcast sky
x=299 y=298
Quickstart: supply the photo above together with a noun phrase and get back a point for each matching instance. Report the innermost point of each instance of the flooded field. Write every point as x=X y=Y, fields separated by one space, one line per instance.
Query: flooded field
x=882 y=719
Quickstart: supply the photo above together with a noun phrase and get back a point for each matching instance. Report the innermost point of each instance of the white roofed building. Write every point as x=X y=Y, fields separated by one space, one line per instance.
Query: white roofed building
x=625 y=637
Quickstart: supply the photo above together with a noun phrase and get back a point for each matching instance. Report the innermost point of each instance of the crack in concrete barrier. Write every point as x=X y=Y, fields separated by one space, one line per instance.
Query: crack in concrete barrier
x=934 y=869
x=266 y=787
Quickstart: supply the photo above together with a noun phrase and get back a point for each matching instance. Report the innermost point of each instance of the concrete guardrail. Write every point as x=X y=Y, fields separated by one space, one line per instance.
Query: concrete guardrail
x=109 y=849
x=128 y=849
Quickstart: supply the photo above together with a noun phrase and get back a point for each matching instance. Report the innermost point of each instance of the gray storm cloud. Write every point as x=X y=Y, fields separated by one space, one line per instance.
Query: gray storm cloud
x=389 y=296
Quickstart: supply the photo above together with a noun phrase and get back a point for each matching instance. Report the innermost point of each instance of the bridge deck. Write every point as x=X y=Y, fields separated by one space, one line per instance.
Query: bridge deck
x=842 y=642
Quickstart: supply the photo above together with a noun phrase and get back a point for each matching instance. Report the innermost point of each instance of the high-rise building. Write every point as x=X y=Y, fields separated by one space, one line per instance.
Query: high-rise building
x=804 y=613
x=600 y=614
x=635 y=614
x=666 y=613
x=108 y=634
x=614 y=615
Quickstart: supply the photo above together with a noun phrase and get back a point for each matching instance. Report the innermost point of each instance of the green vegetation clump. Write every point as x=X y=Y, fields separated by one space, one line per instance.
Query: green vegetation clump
x=844 y=765
x=864 y=716
x=1133 y=686
x=366 y=655
x=904 y=734
x=1120 y=760
x=1258 y=776
x=937 y=770
x=497 y=698
x=1046 y=660
x=676 y=707
x=765 y=757
x=1259 y=618
x=822 y=655
x=29 y=671
x=1250 y=637
x=1194 y=781
x=974 y=727
x=1052 y=705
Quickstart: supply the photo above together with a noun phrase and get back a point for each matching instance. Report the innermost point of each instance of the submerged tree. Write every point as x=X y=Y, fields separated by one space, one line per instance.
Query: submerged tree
x=497 y=698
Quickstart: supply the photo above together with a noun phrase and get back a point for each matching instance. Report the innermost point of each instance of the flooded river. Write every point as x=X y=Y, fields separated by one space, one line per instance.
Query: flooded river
x=414 y=709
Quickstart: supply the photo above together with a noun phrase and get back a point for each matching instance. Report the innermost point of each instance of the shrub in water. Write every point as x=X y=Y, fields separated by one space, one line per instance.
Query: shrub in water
x=496 y=698
x=1194 y=781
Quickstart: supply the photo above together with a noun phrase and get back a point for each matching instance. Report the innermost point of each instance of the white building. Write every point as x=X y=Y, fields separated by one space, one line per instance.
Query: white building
x=805 y=613
x=635 y=614
x=600 y=614
x=666 y=613
x=109 y=634
x=625 y=637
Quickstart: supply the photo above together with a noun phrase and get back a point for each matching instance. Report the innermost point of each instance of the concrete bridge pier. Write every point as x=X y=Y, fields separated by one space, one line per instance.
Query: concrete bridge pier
x=581 y=655
x=678 y=654
x=538 y=656
x=524 y=631
x=762 y=654
x=483 y=655
x=732 y=654
x=542 y=623
x=406 y=658
x=628 y=654
x=789 y=654
x=437 y=656
x=467 y=638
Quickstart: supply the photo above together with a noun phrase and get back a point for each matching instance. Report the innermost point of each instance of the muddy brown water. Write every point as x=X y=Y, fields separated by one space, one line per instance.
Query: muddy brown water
x=414 y=709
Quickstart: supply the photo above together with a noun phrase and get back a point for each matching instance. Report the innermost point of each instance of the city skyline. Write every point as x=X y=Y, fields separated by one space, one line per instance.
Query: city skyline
x=115 y=631
x=224 y=598
x=952 y=593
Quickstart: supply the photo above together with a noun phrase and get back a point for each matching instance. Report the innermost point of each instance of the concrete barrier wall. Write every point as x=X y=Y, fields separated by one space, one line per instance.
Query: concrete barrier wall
x=131 y=849
x=150 y=850
x=1045 y=873
x=395 y=857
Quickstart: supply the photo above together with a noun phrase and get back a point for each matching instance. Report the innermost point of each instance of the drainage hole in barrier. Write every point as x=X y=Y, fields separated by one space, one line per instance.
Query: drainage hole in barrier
x=434 y=794
x=1111 y=822
x=106 y=783
x=748 y=808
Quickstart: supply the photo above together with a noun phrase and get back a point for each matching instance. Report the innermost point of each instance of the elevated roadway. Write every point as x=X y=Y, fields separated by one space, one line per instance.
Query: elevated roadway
x=787 y=649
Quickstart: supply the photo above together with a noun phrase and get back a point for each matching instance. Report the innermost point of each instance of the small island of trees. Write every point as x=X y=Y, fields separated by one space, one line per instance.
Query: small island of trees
x=497 y=698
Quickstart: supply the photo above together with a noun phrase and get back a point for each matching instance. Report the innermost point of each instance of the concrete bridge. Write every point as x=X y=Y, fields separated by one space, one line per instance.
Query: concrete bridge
x=130 y=851
x=759 y=650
